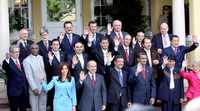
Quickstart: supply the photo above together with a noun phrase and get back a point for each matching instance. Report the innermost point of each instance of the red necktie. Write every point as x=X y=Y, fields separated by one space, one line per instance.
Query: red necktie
x=144 y=72
x=175 y=50
x=126 y=54
x=18 y=65
x=93 y=81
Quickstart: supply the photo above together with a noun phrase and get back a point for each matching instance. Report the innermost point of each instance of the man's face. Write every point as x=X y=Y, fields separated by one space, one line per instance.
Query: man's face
x=92 y=67
x=127 y=40
x=171 y=63
x=164 y=29
x=147 y=44
x=34 y=49
x=117 y=25
x=93 y=27
x=175 y=42
x=142 y=59
x=78 y=48
x=45 y=36
x=119 y=63
x=55 y=46
x=104 y=44
x=140 y=36
x=15 y=53
x=68 y=28
x=23 y=34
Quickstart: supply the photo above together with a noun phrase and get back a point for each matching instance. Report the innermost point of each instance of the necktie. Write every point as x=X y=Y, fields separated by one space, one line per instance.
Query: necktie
x=46 y=45
x=144 y=72
x=70 y=39
x=93 y=81
x=175 y=50
x=120 y=78
x=126 y=54
x=25 y=44
x=171 y=86
x=120 y=37
x=165 y=42
x=18 y=65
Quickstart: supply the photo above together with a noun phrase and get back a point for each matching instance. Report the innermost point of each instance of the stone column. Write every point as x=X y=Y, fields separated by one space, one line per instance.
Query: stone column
x=179 y=19
x=4 y=31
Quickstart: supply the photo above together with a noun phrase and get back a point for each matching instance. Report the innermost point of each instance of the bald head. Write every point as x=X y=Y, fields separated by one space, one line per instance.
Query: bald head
x=164 y=28
x=117 y=25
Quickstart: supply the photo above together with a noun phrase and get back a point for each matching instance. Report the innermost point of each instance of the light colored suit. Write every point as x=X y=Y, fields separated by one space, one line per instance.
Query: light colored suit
x=65 y=93
x=35 y=72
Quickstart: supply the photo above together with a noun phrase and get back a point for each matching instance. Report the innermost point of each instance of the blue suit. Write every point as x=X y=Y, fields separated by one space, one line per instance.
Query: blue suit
x=180 y=53
x=170 y=97
x=157 y=41
x=65 y=44
x=65 y=93
x=142 y=90
x=16 y=85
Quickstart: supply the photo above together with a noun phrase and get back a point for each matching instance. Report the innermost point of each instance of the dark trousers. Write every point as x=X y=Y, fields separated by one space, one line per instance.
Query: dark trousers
x=116 y=107
x=17 y=102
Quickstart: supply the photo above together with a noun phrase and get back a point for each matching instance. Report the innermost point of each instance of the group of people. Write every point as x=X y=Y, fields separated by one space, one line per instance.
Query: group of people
x=95 y=72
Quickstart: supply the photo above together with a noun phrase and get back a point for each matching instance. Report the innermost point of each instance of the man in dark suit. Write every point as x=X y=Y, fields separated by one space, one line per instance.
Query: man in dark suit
x=179 y=51
x=162 y=39
x=23 y=43
x=93 y=97
x=142 y=82
x=171 y=90
x=115 y=32
x=16 y=84
x=56 y=56
x=78 y=61
x=127 y=51
x=92 y=26
x=119 y=96
x=139 y=38
x=68 y=38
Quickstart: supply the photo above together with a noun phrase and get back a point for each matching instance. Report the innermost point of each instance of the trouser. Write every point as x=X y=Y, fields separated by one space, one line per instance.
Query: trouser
x=38 y=103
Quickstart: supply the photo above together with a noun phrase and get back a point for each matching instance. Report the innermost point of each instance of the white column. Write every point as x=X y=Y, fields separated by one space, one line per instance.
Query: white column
x=4 y=31
x=179 y=20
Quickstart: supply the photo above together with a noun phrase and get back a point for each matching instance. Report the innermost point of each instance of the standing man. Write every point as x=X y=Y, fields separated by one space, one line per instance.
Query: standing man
x=68 y=38
x=162 y=39
x=23 y=43
x=35 y=73
x=16 y=82
x=179 y=51
x=142 y=82
x=119 y=96
x=93 y=97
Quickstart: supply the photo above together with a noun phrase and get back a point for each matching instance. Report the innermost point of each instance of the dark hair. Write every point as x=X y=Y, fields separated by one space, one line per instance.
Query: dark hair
x=174 y=36
x=146 y=38
x=60 y=67
x=141 y=53
x=67 y=22
x=78 y=42
x=118 y=57
x=104 y=38
x=55 y=40
x=92 y=22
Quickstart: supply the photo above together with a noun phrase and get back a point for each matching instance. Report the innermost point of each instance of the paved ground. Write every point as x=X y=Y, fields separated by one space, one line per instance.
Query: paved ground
x=3 y=97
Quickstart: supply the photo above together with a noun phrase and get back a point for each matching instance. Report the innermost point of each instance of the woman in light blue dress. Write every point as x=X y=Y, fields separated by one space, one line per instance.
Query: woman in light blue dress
x=65 y=90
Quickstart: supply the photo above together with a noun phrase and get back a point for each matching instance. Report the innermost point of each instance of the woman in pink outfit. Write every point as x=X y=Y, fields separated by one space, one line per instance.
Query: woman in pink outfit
x=193 y=78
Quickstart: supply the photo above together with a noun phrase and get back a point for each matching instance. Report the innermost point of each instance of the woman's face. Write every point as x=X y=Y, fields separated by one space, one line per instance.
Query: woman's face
x=64 y=70
x=196 y=67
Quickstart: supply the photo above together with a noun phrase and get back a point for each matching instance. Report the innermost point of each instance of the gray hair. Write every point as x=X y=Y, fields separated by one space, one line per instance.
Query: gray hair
x=12 y=47
x=43 y=30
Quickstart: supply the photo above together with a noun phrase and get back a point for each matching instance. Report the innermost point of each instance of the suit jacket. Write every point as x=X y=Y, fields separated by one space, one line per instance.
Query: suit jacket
x=55 y=63
x=16 y=79
x=163 y=90
x=157 y=41
x=115 y=88
x=76 y=69
x=142 y=90
x=92 y=95
x=180 y=53
x=24 y=51
x=65 y=44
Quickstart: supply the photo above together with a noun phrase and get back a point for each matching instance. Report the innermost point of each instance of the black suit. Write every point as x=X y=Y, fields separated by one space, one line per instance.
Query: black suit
x=118 y=95
x=16 y=86
x=24 y=50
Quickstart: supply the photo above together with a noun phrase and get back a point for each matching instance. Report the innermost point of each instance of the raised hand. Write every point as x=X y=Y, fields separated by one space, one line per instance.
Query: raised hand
x=139 y=68
x=109 y=28
x=194 y=39
x=50 y=56
x=82 y=76
x=109 y=57
x=61 y=36
x=184 y=64
x=116 y=41
x=90 y=37
x=165 y=60
x=74 y=60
